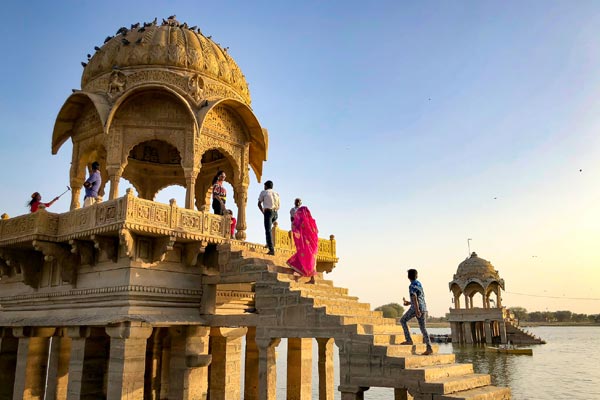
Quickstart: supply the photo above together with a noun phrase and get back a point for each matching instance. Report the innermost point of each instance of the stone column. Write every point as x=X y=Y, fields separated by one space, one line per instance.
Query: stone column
x=114 y=176
x=78 y=336
x=241 y=199
x=226 y=351
x=267 y=368
x=251 y=367
x=152 y=385
x=488 y=332
x=9 y=346
x=190 y=181
x=351 y=392
x=468 y=332
x=127 y=363
x=76 y=185
x=299 y=369
x=402 y=394
x=189 y=362
x=58 y=366
x=502 y=327
x=326 y=379
x=32 y=358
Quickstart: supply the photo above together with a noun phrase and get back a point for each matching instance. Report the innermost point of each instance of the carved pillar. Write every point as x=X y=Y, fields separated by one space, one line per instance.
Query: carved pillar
x=58 y=367
x=77 y=177
x=241 y=199
x=488 y=332
x=114 y=176
x=78 y=336
x=226 y=350
x=468 y=332
x=152 y=384
x=267 y=368
x=127 y=360
x=299 y=369
x=32 y=358
x=190 y=180
x=189 y=362
x=454 y=327
x=9 y=346
x=251 y=368
x=326 y=380
x=502 y=326
x=498 y=299
x=76 y=185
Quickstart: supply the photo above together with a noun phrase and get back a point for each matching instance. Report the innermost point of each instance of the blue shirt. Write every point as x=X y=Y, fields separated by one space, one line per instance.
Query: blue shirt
x=416 y=288
x=95 y=180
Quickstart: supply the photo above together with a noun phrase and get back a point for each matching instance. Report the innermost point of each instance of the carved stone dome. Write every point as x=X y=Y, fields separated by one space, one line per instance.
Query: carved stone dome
x=476 y=269
x=171 y=45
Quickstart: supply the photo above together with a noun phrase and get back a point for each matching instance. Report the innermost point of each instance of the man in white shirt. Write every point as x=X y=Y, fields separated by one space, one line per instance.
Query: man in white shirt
x=268 y=204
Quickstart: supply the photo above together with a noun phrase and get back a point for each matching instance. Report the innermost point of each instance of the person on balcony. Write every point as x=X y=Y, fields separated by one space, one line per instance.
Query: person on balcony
x=233 y=223
x=219 y=193
x=306 y=239
x=36 y=202
x=418 y=309
x=92 y=185
x=268 y=204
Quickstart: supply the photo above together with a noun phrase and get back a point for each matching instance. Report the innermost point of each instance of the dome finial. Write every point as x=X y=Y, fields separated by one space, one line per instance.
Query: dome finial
x=473 y=254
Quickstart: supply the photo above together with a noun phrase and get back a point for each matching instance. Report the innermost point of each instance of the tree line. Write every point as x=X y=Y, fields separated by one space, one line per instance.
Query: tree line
x=395 y=310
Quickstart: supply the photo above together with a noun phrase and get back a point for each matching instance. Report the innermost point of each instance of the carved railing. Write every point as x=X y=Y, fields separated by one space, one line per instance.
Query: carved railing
x=128 y=212
x=326 y=256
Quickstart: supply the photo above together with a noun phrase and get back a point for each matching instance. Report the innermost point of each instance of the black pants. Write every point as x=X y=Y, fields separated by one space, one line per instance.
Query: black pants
x=216 y=206
x=270 y=217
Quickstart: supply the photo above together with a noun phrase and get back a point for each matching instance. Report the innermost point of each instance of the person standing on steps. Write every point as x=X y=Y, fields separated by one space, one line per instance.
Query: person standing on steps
x=297 y=204
x=268 y=204
x=417 y=309
x=92 y=185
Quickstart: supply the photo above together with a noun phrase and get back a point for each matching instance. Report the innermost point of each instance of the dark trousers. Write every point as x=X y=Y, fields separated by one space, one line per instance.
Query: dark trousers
x=410 y=314
x=270 y=217
x=216 y=205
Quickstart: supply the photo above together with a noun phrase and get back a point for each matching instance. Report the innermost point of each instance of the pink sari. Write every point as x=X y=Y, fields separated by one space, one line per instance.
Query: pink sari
x=306 y=239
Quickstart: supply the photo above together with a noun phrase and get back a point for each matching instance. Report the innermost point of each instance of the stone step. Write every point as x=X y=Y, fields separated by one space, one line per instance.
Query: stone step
x=313 y=288
x=455 y=384
x=435 y=372
x=483 y=393
x=386 y=338
x=351 y=320
x=336 y=302
x=374 y=329
x=402 y=350
x=344 y=310
x=416 y=361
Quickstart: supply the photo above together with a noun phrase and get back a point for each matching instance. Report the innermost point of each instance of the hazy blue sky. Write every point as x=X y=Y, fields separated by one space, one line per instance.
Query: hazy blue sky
x=406 y=127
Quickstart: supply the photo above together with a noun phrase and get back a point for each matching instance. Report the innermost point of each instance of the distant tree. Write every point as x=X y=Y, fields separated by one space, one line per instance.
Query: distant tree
x=563 y=316
x=536 y=316
x=519 y=312
x=391 y=310
x=579 y=317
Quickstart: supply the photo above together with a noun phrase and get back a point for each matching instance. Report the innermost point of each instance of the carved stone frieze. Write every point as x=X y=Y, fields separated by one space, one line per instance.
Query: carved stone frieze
x=67 y=261
x=107 y=247
x=85 y=250
x=224 y=124
x=161 y=246
x=116 y=84
x=196 y=87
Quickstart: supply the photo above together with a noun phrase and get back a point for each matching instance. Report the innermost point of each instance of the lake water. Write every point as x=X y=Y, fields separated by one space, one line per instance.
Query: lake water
x=566 y=367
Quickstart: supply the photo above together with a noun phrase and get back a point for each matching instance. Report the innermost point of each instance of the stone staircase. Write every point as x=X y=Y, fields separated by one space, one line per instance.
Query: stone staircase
x=369 y=344
x=516 y=335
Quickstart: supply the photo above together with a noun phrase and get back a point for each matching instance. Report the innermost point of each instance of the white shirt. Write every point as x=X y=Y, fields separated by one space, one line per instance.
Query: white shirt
x=269 y=199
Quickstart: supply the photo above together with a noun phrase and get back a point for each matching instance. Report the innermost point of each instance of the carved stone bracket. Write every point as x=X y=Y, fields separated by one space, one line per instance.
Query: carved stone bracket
x=191 y=252
x=67 y=261
x=85 y=250
x=127 y=241
x=27 y=263
x=107 y=247
x=161 y=246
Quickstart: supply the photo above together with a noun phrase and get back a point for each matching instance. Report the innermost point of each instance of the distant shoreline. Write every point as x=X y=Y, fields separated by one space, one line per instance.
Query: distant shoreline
x=525 y=324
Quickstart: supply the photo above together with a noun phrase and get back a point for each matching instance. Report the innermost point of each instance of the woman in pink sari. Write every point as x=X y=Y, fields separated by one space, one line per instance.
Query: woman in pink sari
x=306 y=239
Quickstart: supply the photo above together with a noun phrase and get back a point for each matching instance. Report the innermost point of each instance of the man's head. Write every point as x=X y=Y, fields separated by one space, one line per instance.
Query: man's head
x=268 y=185
x=298 y=202
x=412 y=274
x=95 y=166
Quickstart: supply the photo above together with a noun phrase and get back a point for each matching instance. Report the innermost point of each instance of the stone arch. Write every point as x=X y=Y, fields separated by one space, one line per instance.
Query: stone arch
x=152 y=165
x=471 y=289
x=208 y=170
x=72 y=110
x=84 y=154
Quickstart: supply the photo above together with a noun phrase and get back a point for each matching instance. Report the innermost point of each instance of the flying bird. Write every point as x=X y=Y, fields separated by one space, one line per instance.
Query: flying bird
x=580 y=170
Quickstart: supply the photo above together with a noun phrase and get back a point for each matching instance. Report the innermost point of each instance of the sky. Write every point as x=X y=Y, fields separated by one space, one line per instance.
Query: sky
x=406 y=127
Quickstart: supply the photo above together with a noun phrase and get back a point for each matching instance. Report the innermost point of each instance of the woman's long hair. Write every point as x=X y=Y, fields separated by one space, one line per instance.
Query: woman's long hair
x=33 y=199
x=216 y=178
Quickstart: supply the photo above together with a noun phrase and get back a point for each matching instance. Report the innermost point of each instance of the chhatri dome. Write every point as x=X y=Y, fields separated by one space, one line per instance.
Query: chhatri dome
x=476 y=270
x=161 y=104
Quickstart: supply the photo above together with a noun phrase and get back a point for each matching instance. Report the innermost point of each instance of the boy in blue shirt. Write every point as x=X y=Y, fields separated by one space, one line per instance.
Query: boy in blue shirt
x=418 y=309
